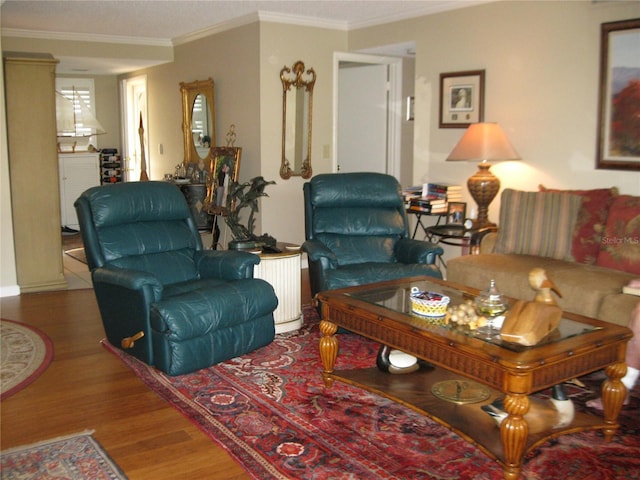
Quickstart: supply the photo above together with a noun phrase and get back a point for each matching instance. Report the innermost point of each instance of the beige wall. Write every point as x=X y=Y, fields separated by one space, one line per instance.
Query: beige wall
x=280 y=45
x=230 y=58
x=541 y=61
x=245 y=65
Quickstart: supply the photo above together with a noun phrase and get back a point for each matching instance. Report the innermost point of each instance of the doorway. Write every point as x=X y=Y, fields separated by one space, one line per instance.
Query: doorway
x=134 y=103
x=367 y=113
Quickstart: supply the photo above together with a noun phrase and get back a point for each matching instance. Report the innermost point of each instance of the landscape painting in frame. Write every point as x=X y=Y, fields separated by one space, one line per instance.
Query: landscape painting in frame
x=619 y=106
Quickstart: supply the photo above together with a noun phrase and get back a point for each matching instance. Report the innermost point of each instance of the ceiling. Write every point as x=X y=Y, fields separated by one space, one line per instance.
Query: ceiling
x=170 y=22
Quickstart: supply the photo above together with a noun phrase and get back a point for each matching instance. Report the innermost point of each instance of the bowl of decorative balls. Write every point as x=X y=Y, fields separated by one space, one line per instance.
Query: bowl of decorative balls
x=431 y=305
x=465 y=314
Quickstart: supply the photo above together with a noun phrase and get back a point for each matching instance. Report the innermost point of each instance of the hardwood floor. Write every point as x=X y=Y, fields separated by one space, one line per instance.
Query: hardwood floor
x=86 y=387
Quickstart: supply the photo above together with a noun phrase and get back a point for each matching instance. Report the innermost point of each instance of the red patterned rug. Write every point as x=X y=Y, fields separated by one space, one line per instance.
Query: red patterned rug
x=25 y=353
x=270 y=410
x=74 y=457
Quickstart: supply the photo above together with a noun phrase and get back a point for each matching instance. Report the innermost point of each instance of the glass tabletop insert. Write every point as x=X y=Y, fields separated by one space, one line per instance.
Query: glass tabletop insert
x=397 y=299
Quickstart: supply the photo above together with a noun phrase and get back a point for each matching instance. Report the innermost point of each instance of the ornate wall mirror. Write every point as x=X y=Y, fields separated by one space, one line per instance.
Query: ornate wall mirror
x=297 y=105
x=198 y=120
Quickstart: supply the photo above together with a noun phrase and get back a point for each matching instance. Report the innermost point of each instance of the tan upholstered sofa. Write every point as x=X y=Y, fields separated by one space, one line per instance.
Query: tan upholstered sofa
x=587 y=241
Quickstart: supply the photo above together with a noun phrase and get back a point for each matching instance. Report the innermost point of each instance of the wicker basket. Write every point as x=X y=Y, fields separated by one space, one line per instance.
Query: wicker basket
x=428 y=304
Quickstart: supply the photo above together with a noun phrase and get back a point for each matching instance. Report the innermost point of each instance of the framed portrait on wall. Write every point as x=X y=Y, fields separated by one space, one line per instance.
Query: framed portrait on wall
x=225 y=165
x=461 y=98
x=619 y=96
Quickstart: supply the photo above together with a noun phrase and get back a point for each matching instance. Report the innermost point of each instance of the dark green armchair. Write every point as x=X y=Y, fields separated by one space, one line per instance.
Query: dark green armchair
x=152 y=279
x=357 y=232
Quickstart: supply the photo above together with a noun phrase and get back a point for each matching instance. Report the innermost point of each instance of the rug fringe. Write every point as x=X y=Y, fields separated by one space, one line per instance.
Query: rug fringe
x=61 y=438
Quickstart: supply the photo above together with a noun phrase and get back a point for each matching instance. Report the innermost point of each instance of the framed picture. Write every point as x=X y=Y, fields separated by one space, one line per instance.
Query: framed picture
x=618 y=108
x=461 y=98
x=225 y=165
x=456 y=213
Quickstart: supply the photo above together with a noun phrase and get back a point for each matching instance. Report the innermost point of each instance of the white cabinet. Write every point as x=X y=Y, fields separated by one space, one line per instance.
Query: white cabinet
x=78 y=172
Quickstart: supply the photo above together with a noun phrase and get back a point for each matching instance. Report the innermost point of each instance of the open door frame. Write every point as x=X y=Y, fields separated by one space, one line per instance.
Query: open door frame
x=134 y=104
x=394 y=104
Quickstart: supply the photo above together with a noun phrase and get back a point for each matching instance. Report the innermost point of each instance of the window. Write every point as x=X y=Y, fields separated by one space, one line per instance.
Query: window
x=80 y=91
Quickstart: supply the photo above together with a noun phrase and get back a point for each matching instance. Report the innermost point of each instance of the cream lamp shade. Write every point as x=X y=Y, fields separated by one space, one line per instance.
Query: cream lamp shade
x=483 y=143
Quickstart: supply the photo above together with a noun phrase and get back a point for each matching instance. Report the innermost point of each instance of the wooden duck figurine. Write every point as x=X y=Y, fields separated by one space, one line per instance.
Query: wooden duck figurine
x=543 y=286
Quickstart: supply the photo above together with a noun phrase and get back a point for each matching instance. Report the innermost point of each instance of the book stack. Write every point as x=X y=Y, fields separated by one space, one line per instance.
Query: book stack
x=449 y=192
x=410 y=193
x=430 y=204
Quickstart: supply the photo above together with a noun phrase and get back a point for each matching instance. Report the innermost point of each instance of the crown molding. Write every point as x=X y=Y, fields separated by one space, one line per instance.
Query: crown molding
x=430 y=9
x=217 y=28
x=434 y=7
x=85 y=37
x=260 y=17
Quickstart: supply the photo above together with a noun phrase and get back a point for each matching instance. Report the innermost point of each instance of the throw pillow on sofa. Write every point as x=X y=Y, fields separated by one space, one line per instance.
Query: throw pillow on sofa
x=592 y=218
x=620 y=247
x=537 y=223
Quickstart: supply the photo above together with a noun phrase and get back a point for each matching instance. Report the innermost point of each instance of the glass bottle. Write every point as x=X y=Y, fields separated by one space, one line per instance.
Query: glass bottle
x=491 y=302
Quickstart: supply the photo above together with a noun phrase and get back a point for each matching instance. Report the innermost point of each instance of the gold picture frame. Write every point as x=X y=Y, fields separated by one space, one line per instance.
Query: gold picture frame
x=224 y=166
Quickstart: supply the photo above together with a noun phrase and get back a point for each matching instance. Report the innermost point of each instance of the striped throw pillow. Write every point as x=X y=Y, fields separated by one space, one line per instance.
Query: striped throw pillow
x=537 y=223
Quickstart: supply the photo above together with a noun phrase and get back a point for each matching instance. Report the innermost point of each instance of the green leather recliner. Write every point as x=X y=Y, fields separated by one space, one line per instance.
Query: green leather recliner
x=357 y=232
x=150 y=274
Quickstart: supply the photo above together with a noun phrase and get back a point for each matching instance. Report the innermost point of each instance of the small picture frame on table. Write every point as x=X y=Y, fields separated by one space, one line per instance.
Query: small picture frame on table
x=456 y=213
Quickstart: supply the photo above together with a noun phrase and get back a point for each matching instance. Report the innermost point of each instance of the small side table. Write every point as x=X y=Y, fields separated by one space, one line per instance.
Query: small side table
x=282 y=271
x=457 y=236
x=419 y=220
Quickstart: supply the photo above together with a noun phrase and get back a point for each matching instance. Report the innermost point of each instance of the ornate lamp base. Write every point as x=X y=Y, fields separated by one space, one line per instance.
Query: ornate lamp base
x=483 y=187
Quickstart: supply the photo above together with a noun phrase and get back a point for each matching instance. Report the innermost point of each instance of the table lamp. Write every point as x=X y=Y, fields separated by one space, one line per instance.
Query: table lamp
x=483 y=142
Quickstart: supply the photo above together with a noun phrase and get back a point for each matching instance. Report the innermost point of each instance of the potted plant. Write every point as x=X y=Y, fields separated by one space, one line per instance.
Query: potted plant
x=244 y=196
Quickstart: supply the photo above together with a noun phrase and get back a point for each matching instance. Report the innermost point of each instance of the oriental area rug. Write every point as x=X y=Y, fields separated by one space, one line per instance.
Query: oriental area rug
x=25 y=352
x=74 y=457
x=270 y=410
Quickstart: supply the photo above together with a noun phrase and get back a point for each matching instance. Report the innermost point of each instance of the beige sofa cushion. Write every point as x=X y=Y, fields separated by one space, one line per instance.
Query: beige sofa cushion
x=584 y=288
x=616 y=308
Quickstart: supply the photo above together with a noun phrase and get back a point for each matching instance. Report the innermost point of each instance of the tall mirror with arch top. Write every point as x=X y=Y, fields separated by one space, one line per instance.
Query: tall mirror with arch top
x=297 y=106
x=198 y=120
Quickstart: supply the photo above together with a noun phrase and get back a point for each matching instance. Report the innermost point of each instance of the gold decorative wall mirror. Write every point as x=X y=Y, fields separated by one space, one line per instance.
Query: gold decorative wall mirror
x=297 y=106
x=198 y=120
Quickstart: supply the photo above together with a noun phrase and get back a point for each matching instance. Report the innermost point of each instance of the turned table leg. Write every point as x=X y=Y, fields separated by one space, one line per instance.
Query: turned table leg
x=328 y=350
x=613 y=395
x=513 y=433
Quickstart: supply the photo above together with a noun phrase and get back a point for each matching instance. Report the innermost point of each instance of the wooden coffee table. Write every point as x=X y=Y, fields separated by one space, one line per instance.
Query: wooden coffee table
x=382 y=313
